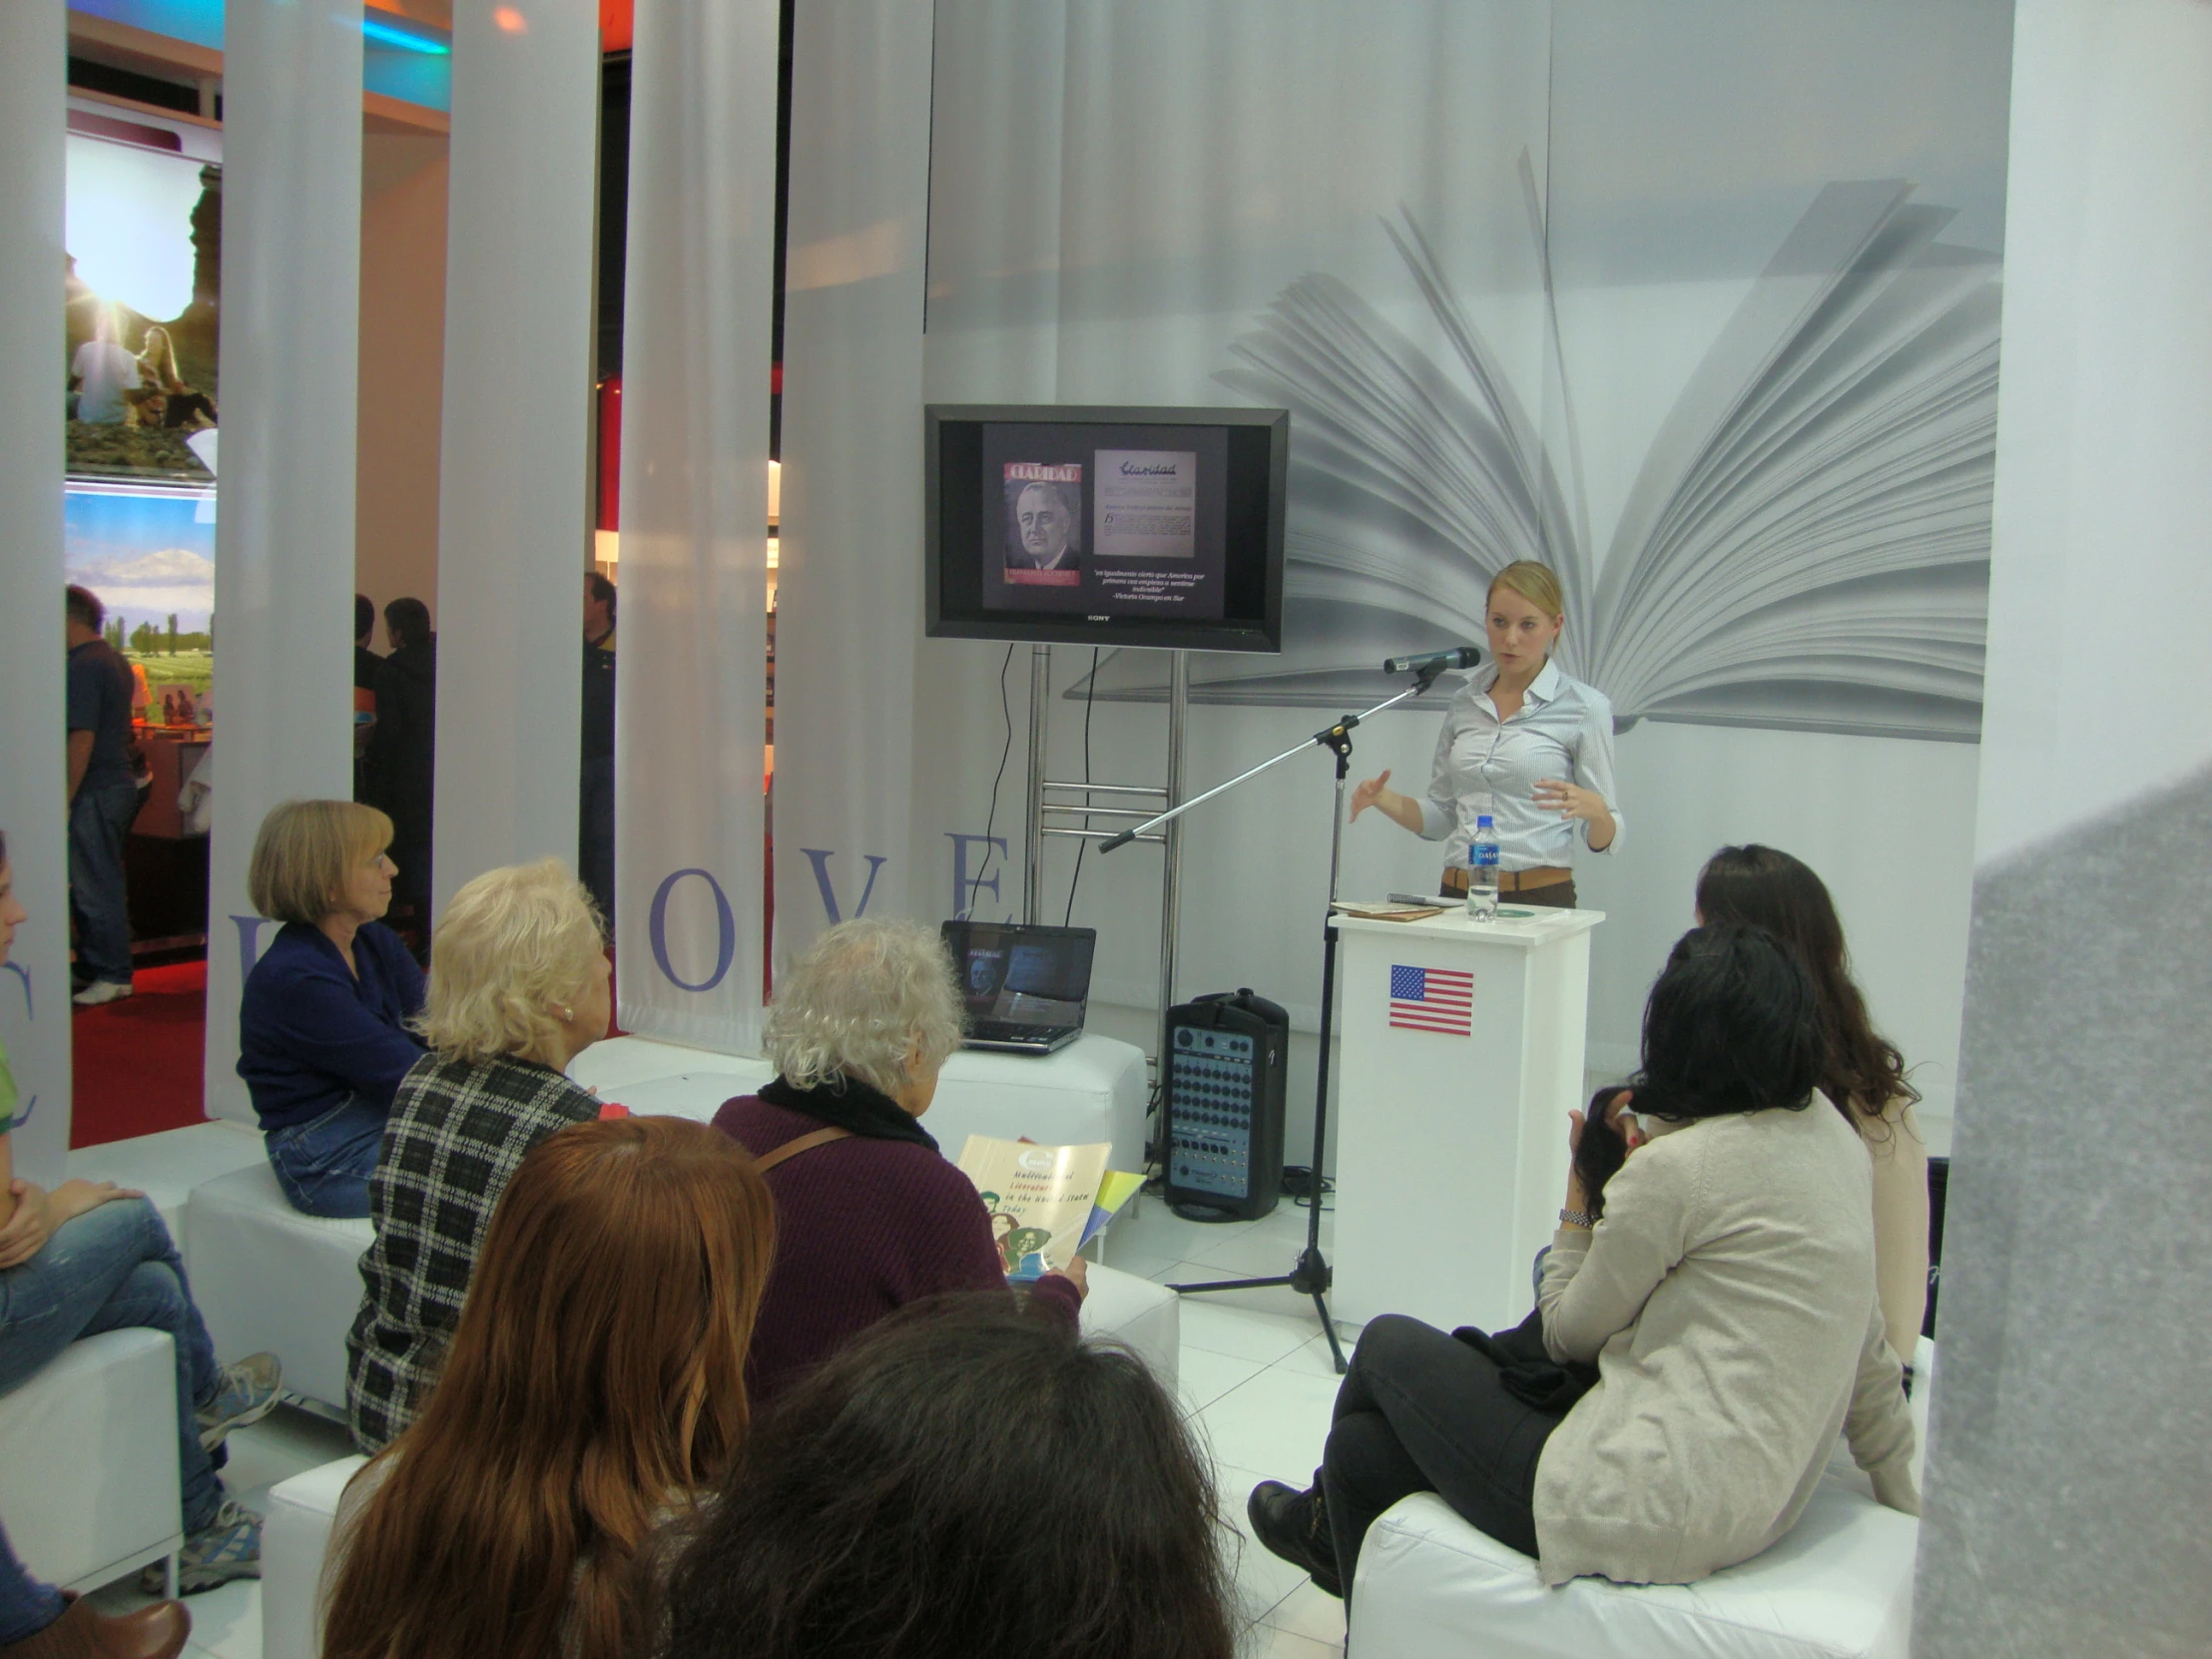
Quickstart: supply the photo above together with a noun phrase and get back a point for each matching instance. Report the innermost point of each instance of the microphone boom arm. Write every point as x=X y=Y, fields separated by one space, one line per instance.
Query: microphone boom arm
x=1330 y=738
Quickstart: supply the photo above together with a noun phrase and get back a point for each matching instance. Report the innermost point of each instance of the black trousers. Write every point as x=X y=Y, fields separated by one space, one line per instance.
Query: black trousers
x=1421 y=1412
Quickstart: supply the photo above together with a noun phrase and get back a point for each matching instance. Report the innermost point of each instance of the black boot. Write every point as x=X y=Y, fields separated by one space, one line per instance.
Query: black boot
x=1294 y=1525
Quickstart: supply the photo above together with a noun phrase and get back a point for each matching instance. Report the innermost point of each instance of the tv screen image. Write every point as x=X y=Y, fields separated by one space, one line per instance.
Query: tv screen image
x=1107 y=526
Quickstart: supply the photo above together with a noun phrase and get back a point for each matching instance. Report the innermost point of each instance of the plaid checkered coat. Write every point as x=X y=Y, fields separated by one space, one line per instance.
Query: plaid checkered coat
x=457 y=1131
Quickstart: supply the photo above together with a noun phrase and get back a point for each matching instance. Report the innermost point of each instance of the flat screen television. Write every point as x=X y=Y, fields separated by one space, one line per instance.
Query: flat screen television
x=1063 y=524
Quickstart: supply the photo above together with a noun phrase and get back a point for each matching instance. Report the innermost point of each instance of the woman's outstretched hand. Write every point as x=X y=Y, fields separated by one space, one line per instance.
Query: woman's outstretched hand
x=1369 y=794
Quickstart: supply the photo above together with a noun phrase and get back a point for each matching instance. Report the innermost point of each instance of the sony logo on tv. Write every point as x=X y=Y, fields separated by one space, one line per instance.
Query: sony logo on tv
x=1097 y=619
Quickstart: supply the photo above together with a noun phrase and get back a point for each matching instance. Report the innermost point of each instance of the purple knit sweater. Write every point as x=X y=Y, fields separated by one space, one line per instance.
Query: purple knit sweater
x=862 y=1226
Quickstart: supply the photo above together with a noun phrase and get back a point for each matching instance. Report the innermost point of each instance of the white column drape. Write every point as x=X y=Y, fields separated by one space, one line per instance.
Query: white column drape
x=2073 y=1226
x=284 y=581
x=698 y=297
x=514 y=453
x=34 y=987
x=848 y=591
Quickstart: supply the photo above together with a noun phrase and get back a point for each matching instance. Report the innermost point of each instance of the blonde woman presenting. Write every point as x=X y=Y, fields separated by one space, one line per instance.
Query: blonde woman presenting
x=1523 y=742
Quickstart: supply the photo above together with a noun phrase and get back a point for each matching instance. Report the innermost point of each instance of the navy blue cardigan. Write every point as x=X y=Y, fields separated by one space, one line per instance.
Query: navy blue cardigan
x=311 y=1034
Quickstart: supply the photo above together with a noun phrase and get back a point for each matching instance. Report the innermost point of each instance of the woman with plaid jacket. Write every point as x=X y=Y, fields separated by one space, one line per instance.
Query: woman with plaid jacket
x=518 y=989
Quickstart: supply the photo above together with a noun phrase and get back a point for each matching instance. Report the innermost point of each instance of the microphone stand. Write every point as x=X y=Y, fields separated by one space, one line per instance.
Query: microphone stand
x=1310 y=1274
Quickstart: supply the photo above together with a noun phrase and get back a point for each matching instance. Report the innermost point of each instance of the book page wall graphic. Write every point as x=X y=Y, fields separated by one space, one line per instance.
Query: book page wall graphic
x=1805 y=546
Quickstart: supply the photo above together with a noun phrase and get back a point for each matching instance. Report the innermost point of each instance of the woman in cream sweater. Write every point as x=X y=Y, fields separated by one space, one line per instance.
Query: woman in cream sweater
x=1862 y=1072
x=1726 y=1301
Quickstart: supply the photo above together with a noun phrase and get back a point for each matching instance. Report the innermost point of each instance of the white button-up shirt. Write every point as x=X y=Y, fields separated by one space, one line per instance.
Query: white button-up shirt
x=1563 y=730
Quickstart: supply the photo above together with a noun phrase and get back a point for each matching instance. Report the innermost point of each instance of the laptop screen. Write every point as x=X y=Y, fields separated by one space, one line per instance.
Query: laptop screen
x=1021 y=975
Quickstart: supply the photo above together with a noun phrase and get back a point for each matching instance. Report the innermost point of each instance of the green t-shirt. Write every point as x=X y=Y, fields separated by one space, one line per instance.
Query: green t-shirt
x=7 y=1094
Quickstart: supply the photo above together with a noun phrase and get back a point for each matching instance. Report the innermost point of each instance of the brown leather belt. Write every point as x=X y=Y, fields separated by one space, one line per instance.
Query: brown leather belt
x=1509 y=880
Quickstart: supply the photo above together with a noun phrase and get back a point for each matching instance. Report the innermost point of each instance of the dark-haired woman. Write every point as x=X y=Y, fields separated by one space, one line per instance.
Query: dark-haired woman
x=1862 y=1072
x=1726 y=1300
x=966 y=1477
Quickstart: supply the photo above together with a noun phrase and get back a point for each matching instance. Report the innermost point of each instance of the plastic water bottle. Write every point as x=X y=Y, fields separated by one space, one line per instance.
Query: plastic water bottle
x=1483 y=871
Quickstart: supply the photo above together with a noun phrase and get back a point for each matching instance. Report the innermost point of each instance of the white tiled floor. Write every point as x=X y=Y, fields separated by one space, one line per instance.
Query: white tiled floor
x=1254 y=1373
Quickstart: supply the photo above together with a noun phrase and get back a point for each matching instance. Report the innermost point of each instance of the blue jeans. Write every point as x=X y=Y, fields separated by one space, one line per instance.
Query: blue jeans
x=324 y=1164
x=98 y=819
x=26 y=1605
x=595 y=835
x=112 y=1269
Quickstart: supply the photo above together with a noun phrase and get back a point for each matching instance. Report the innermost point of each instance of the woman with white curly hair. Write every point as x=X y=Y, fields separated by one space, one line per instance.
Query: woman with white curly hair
x=868 y=1216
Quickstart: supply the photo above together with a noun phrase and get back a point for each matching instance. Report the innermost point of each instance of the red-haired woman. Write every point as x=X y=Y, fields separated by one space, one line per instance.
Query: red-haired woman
x=595 y=1383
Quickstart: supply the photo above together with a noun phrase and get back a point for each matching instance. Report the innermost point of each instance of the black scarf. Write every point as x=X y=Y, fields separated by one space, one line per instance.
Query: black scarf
x=851 y=1104
x=1526 y=1369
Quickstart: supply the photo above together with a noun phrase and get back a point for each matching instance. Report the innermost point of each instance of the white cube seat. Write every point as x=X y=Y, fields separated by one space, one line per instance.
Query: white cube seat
x=1145 y=1317
x=1839 y=1587
x=295 y=1535
x=168 y=1165
x=88 y=1459
x=269 y=1277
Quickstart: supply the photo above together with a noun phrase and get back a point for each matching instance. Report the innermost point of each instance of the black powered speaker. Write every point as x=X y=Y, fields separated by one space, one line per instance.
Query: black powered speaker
x=1227 y=1059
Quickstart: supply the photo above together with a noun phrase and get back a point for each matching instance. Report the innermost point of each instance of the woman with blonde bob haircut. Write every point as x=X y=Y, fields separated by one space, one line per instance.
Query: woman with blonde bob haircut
x=324 y=1022
x=1523 y=744
x=870 y=1217
x=594 y=1388
x=518 y=989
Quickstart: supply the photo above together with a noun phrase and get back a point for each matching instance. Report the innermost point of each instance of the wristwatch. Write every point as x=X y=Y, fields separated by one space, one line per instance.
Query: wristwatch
x=1577 y=1217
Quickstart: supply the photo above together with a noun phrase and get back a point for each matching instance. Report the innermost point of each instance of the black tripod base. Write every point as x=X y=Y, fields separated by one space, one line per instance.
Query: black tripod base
x=1311 y=1275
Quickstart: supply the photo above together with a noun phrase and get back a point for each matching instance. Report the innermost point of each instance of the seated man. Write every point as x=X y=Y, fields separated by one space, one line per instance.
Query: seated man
x=868 y=1216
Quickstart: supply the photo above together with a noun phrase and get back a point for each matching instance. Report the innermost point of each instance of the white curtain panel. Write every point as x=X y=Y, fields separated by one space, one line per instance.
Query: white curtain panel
x=34 y=985
x=2073 y=1228
x=695 y=395
x=1527 y=292
x=515 y=452
x=291 y=352
x=849 y=586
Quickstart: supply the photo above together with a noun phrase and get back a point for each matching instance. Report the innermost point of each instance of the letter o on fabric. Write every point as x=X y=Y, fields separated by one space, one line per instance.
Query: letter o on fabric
x=726 y=931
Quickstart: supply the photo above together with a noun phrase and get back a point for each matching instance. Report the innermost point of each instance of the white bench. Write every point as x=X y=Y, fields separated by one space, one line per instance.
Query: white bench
x=269 y=1277
x=1092 y=1090
x=88 y=1460
x=1840 y=1586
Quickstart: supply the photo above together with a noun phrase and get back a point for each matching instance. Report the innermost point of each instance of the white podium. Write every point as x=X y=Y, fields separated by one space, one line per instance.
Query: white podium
x=1460 y=1055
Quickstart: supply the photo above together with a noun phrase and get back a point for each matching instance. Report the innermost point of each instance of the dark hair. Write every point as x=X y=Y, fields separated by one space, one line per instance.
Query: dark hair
x=1861 y=1070
x=601 y=590
x=408 y=622
x=966 y=1477
x=85 y=607
x=364 y=615
x=1731 y=1026
x=1600 y=1149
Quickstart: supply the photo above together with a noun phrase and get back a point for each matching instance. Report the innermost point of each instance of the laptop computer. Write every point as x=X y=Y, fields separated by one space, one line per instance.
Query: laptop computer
x=1024 y=988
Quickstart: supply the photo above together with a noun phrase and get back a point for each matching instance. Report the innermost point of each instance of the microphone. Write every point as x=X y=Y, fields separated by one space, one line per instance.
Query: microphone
x=1459 y=656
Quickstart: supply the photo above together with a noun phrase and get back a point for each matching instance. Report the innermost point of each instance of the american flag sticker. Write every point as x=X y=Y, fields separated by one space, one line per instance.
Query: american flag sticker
x=1432 y=999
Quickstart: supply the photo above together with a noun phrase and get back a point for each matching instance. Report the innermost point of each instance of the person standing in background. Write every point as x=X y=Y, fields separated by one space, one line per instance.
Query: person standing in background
x=595 y=839
x=103 y=799
x=401 y=760
x=365 y=665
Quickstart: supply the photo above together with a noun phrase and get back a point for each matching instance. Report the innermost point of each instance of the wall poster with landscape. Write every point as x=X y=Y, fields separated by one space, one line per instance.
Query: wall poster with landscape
x=142 y=288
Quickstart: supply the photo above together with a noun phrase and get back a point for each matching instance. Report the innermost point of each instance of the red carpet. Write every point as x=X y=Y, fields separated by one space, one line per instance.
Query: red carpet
x=138 y=1062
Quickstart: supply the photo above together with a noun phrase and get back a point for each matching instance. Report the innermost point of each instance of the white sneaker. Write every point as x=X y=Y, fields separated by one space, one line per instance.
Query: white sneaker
x=102 y=990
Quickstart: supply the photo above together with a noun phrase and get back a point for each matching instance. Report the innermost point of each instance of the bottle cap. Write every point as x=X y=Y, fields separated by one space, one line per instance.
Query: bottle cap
x=1483 y=820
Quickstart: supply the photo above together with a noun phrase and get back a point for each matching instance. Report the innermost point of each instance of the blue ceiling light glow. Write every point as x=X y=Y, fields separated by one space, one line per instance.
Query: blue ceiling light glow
x=386 y=34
